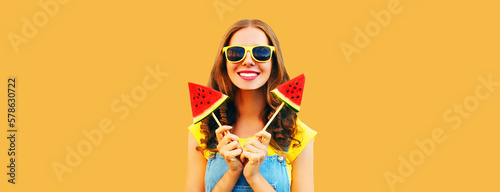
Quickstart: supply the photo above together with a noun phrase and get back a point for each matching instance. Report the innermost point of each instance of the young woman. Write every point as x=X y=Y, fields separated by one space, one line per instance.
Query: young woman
x=239 y=156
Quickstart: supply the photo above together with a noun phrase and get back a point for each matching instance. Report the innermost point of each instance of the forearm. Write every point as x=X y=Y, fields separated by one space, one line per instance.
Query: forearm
x=259 y=183
x=227 y=182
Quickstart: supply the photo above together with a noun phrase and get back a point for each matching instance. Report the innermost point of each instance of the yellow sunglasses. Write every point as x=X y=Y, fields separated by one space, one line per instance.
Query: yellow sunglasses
x=260 y=53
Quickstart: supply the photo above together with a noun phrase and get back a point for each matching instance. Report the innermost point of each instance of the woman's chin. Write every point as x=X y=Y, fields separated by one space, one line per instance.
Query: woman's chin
x=249 y=87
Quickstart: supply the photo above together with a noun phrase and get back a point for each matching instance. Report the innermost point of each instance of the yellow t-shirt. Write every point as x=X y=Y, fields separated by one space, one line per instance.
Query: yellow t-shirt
x=304 y=134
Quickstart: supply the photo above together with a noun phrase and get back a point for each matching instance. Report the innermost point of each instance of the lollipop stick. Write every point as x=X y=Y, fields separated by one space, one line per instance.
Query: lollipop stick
x=217 y=120
x=272 y=118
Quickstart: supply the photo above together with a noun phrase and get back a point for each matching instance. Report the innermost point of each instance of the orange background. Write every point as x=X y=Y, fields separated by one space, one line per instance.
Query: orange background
x=427 y=58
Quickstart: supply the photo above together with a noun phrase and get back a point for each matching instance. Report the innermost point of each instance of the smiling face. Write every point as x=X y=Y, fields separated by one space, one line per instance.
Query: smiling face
x=249 y=74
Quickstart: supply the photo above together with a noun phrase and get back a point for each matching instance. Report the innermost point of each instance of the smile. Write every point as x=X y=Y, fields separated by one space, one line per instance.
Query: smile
x=248 y=75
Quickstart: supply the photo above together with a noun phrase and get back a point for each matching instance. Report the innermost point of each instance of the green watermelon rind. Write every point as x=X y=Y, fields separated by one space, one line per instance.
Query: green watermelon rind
x=283 y=98
x=209 y=110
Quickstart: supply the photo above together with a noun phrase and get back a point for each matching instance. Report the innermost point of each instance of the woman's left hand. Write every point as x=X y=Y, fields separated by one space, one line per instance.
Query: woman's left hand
x=255 y=151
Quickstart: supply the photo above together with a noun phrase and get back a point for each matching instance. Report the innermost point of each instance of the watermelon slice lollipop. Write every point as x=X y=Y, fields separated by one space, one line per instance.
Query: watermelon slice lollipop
x=290 y=93
x=204 y=101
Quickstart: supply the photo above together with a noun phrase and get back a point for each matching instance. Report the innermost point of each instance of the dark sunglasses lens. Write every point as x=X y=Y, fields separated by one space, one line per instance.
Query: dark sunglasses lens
x=262 y=53
x=235 y=53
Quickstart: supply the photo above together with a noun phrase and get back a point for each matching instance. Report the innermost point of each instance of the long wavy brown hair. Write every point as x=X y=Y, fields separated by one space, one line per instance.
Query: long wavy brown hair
x=283 y=127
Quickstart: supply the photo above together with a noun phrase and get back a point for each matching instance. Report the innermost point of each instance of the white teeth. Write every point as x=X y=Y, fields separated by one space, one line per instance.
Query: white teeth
x=248 y=74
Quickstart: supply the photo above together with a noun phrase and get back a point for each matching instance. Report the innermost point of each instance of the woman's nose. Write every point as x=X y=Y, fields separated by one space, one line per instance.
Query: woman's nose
x=248 y=59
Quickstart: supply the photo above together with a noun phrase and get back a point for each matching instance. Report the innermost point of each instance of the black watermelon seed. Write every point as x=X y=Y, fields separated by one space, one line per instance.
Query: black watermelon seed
x=287 y=90
x=203 y=90
x=199 y=89
x=198 y=97
x=298 y=96
x=292 y=97
x=201 y=102
x=208 y=102
x=289 y=85
x=198 y=94
x=296 y=83
x=294 y=87
x=300 y=89
x=209 y=92
x=203 y=97
x=196 y=106
x=193 y=98
x=292 y=91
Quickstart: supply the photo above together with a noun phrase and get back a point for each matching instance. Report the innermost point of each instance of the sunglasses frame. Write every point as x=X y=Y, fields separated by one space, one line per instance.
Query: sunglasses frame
x=248 y=48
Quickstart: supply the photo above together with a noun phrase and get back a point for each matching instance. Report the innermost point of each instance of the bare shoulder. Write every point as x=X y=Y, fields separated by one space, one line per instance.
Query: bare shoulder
x=303 y=169
x=196 y=164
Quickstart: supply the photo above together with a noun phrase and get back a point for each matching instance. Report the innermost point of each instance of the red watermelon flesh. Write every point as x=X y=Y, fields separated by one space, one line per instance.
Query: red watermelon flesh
x=204 y=100
x=291 y=92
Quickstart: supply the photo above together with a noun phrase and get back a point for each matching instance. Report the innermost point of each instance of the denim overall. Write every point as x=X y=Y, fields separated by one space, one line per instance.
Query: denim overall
x=273 y=169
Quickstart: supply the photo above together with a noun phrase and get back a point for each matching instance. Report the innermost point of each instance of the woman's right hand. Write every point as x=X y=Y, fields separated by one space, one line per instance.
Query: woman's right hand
x=229 y=147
